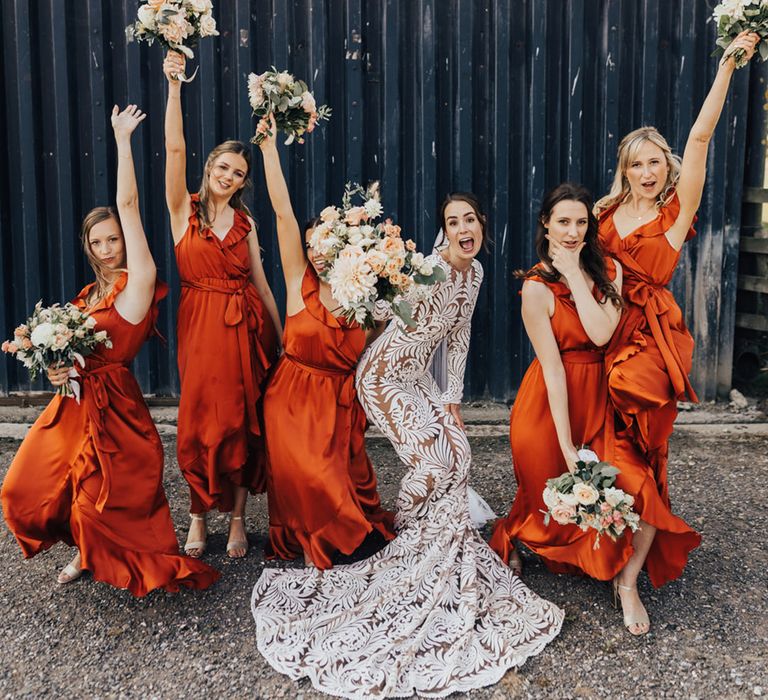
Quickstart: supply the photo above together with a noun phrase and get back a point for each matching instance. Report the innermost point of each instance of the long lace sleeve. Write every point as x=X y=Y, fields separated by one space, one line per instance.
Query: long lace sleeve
x=458 y=345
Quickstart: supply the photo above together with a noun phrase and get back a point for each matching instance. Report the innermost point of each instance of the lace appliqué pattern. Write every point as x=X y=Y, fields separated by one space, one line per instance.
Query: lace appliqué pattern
x=436 y=611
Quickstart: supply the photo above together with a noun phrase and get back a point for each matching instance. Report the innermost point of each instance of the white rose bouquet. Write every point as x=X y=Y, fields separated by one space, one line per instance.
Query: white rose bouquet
x=736 y=16
x=53 y=337
x=176 y=24
x=588 y=499
x=367 y=262
x=289 y=99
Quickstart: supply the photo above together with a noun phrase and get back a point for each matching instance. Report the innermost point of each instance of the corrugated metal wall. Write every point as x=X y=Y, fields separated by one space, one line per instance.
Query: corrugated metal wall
x=502 y=97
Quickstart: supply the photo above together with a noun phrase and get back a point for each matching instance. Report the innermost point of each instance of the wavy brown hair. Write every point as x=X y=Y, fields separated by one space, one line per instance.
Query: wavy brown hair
x=473 y=202
x=104 y=275
x=236 y=200
x=592 y=255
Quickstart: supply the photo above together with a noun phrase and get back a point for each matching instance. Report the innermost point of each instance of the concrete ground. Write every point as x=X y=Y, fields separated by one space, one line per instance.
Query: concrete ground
x=709 y=637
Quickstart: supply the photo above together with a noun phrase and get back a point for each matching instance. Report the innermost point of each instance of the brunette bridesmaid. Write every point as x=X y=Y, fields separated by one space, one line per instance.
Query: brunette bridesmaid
x=89 y=473
x=321 y=488
x=228 y=329
x=571 y=307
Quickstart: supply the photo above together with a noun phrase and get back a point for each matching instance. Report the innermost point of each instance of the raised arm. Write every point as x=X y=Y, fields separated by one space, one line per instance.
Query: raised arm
x=599 y=319
x=176 y=194
x=538 y=305
x=693 y=171
x=259 y=280
x=289 y=235
x=134 y=301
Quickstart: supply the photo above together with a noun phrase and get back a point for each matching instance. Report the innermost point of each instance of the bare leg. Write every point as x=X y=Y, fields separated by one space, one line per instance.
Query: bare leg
x=237 y=544
x=626 y=581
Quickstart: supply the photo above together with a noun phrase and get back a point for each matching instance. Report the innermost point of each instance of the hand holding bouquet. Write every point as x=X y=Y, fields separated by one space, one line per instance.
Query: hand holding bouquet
x=53 y=337
x=587 y=498
x=289 y=100
x=366 y=262
x=177 y=24
x=737 y=17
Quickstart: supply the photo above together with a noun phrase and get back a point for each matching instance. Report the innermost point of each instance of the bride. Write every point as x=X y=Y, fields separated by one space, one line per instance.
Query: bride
x=435 y=611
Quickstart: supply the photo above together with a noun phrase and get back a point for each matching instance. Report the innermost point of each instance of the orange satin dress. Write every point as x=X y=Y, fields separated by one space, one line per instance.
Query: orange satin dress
x=321 y=488
x=91 y=473
x=537 y=457
x=651 y=353
x=227 y=342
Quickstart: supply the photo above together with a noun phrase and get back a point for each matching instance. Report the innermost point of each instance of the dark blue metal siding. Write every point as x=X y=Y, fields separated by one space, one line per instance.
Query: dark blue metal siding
x=502 y=97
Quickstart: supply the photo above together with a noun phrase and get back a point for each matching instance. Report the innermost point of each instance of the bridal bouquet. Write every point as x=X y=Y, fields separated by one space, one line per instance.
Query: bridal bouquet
x=735 y=16
x=177 y=24
x=56 y=336
x=289 y=99
x=367 y=262
x=588 y=499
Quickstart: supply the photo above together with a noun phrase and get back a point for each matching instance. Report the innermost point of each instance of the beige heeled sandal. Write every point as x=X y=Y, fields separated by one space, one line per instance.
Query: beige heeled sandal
x=199 y=546
x=69 y=573
x=630 y=620
x=237 y=544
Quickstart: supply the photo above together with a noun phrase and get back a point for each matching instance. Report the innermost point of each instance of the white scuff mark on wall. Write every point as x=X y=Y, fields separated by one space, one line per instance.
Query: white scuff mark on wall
x=95 y=60
x=504 y=238
x=575 y=81
x=609 y=62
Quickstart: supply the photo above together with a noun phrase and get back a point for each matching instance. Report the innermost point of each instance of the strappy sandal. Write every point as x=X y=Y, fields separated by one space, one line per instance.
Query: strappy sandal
x=69 y=573
x=197 y=547
x=630 y=620
x=236 y=544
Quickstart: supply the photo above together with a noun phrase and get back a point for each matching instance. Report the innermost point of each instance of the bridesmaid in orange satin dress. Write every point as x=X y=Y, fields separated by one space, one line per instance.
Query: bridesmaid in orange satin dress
x=90 y=473
x=321 y=488
x=644 y=222
x=228 y=329
x=571 y=307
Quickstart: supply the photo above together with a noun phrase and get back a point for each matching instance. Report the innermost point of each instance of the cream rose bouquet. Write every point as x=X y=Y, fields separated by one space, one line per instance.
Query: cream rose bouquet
x=736 y=16
x=291 y=102
x=587 y=498
x=56 y=336
x=368 y=263
x=176 y=24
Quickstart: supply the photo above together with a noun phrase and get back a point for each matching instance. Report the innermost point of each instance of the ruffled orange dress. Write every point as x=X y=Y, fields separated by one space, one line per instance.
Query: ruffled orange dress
x=91 y=473
x=227 y=342
x=537 y=457
x=321 y=488
x=651 y=353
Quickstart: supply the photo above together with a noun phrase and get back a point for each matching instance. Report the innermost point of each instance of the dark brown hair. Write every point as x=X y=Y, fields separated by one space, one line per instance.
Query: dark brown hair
x=592 y=255
x=236 y=200
x=104 y=275
x=473 y=202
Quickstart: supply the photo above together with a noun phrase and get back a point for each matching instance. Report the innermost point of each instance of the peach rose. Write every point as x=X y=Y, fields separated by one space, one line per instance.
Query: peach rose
x=410 y=245
x=330 y=214
x=355 y=216
x=563 y=514
x=586 y=494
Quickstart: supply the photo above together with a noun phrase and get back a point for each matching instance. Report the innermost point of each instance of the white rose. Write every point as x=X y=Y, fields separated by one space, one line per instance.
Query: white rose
x=146 y=16
x=551 y=498
x=42 y=334
x=587 y=456
x=426 y=269
x=586 y=494
x=90 y=322
x=208 y=26
x=417 y=260
x=354 y=235
x=613 y=496
x=201 y=6
x=308 y=102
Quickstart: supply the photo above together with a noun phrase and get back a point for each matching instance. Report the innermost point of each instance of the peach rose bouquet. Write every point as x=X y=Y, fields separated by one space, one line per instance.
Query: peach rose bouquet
x=56 y=336
x=367 y=263
x=176 y=24
x=588 y=499
x=279 y=93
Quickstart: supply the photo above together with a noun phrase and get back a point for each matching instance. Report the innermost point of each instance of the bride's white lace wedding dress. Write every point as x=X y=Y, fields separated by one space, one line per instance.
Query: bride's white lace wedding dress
x=435 y=611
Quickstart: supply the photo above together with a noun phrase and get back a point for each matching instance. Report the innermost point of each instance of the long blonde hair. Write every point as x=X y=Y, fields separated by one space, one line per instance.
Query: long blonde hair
x=236 y=200
x=105 y=276
x=627 y=152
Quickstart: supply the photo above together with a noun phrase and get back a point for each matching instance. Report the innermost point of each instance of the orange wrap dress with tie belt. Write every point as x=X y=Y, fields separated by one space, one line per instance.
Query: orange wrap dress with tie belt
x=322 y=490
x=536 y=457
x=651 y=353
x=91 y=473
x=227 y=342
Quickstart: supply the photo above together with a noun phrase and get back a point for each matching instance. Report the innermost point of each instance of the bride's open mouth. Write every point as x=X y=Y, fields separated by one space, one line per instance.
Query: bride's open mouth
x=467 y=244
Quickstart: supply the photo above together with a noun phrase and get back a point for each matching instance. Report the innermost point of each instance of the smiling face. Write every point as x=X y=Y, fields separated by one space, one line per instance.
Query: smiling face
x=567 y=223
x=464 y=231
x=646 y=171
x=106 y=244
x=227 y=175
x=316 y=263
